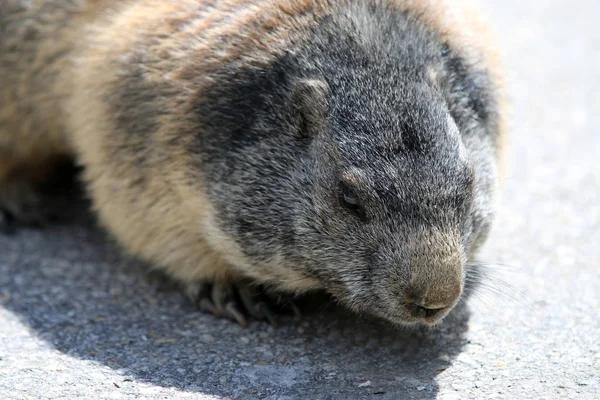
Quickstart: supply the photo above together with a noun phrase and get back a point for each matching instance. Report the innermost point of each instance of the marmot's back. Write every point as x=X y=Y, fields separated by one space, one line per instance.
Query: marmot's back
x=35 y=44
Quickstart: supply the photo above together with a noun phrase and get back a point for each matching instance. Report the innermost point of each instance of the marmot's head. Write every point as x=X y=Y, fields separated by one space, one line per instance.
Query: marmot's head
x=357 y=169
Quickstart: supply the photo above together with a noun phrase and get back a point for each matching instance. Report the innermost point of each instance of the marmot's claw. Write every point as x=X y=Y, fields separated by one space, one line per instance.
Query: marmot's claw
x=232 y=310
x=219 y=300
x=268 y=314
x=286 y=304
x=239 y=302
x=257 y=303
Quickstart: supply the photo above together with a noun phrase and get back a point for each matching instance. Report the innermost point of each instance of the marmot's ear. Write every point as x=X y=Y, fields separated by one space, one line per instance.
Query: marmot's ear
x=311 y=105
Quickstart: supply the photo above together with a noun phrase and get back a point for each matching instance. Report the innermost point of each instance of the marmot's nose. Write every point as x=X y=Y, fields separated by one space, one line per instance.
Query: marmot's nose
x=430 y=303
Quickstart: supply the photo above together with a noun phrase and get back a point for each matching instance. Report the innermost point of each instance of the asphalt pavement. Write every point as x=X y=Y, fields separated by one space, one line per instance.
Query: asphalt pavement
x=78 y=319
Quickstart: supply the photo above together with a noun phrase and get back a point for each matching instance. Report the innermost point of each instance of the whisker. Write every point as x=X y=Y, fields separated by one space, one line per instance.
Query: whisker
x=485 y=266
x=477 y=308
x=483 y=277
x=499 y=283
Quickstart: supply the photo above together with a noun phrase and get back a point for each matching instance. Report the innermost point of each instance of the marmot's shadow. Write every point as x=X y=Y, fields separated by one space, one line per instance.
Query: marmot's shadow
x=76 y=290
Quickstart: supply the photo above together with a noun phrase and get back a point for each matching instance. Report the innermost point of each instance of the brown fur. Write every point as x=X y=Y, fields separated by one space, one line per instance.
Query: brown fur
x=57 y=99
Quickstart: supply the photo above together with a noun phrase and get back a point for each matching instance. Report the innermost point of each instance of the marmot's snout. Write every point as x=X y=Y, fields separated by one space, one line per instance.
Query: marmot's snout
x=430 y=298
x=423 y=280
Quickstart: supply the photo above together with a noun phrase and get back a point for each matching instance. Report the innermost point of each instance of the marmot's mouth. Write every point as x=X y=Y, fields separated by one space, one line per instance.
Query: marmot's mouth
x=411 y=313
x=430 y=320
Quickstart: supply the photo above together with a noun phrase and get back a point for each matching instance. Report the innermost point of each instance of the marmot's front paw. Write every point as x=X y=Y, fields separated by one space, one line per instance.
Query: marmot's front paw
x=22 y=204
x=240 y=301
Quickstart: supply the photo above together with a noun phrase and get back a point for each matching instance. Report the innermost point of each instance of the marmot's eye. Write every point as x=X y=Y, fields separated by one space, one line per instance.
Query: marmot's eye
x=349 y=200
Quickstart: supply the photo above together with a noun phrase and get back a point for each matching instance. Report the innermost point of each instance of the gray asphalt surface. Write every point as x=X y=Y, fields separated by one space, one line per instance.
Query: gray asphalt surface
x=78 y=320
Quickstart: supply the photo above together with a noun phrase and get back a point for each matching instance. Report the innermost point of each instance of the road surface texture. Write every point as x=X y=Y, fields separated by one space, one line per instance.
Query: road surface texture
x=79 y=320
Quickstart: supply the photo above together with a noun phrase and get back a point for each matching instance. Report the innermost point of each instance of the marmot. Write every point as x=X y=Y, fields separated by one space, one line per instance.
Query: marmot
x=345 y=145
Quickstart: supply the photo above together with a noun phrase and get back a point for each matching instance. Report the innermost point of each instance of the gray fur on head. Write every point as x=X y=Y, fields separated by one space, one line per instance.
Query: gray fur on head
x=345 y=162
